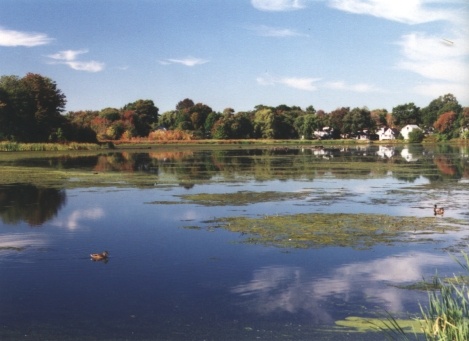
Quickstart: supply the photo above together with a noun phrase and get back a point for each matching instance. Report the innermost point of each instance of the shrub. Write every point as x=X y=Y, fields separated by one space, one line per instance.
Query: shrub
x=416 y=136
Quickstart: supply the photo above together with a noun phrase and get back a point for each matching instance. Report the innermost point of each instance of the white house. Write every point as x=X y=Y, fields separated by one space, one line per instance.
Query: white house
x=386 y=133
x=407 y=129
x=325 y=133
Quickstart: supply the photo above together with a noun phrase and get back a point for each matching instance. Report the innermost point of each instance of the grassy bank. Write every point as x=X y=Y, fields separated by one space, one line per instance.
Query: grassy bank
x=31 y=147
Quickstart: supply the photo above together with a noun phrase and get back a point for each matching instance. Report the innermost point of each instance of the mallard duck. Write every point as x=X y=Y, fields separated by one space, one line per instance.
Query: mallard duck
x=99 y=256
x=438 y=210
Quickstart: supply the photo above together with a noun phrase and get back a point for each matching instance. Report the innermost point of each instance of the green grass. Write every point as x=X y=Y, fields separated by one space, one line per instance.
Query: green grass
x=28 y=147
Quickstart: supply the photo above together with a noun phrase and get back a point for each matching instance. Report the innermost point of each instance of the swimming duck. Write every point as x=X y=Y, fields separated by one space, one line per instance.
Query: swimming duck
x=99 y=256
x=438 y=210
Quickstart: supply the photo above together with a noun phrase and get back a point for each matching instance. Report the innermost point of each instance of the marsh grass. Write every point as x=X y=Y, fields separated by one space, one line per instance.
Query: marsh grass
x=7 y=146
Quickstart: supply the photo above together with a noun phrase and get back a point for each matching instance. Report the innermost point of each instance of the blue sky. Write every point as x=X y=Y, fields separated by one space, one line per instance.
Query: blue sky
x=241 y=53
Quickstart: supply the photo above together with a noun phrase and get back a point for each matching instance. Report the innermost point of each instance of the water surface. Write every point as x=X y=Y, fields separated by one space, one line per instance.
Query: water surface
x=172 y=275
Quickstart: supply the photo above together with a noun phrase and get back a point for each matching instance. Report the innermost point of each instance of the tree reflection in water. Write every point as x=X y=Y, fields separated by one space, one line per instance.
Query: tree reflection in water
x=29 y=203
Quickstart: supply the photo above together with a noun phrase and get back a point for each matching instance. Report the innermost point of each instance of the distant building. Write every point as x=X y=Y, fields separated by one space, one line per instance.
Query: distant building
x=386 y=133
x=408 y=129
x=366 y=135
x=325 y=133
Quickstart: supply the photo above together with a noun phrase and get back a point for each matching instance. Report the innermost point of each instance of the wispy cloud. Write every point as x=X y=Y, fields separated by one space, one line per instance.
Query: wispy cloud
x=441 y=59
x=430 y=58
x=305 y=83
x=188 y=61
x=276 y=32
x=69 y=57
x=405 y=11
x=277 y=5
x=358 y=87
x=12 y=38
x=444 y=67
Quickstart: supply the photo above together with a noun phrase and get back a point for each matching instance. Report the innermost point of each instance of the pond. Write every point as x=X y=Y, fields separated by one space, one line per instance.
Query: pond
x=225 y=243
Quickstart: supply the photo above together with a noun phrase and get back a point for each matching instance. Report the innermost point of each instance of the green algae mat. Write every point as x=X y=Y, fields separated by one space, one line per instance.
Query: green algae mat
x=359 y=231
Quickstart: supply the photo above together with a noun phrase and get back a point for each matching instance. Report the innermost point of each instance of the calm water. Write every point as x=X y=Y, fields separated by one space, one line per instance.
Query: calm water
x=171 y=276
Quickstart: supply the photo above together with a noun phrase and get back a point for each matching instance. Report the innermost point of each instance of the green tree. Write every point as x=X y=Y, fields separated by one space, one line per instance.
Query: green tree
x=212 y=118
x=168 y=120
x=49 y=103
x=241 y=126
x=146 y=115
x=306 y=125
x=336 y=120
x=198 y=115
x=110 y=114
x=406 y=114
x=31 y=107
x=358 y=119
x=16 y=109
x=221 y=129
x=265 y=122
x=379 y=116
x=438 y=107
x=185 y=104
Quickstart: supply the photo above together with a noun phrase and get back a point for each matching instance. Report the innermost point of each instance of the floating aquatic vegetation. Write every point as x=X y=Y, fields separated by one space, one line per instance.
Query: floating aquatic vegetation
x=366 y=325
x=242 y=197
x=360 y=231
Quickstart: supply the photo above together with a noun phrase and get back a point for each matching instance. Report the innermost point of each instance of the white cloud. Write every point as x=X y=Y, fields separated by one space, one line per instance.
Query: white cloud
x=91 y=66
x=434 y=90
x=433 y=58
x=189 y=61
x=443 y=65
x=277 y=5
x=12 y=38
x=69 y=57
x=306 y=83
x=405 y=11
x=267 y=31
x=359 y=87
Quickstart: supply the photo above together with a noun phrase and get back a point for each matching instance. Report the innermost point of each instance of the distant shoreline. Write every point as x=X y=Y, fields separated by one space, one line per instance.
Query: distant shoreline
x=145 y=144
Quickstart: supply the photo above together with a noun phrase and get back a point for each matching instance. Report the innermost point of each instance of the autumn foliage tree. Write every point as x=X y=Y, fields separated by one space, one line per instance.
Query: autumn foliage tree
x=445 y=123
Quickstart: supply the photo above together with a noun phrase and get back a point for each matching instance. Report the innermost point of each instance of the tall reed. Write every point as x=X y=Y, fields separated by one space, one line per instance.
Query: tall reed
x=447 y=316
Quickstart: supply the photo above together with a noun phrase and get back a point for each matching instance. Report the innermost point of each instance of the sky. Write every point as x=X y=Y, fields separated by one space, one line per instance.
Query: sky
x=241 y=53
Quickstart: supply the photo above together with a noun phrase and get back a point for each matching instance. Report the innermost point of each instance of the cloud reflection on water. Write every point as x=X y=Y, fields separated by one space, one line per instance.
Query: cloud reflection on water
x=293 y=289
x=73 y=221
x=13 y=243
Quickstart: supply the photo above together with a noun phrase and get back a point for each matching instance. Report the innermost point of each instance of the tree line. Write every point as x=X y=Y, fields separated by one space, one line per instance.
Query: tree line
x=32 y=110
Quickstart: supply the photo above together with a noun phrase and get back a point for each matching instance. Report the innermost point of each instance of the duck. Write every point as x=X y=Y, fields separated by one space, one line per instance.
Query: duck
x=438 y=210
x=99 y=256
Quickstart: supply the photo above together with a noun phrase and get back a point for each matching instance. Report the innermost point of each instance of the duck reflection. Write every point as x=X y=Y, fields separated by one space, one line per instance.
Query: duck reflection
x=31 y=204
x=276 y=289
